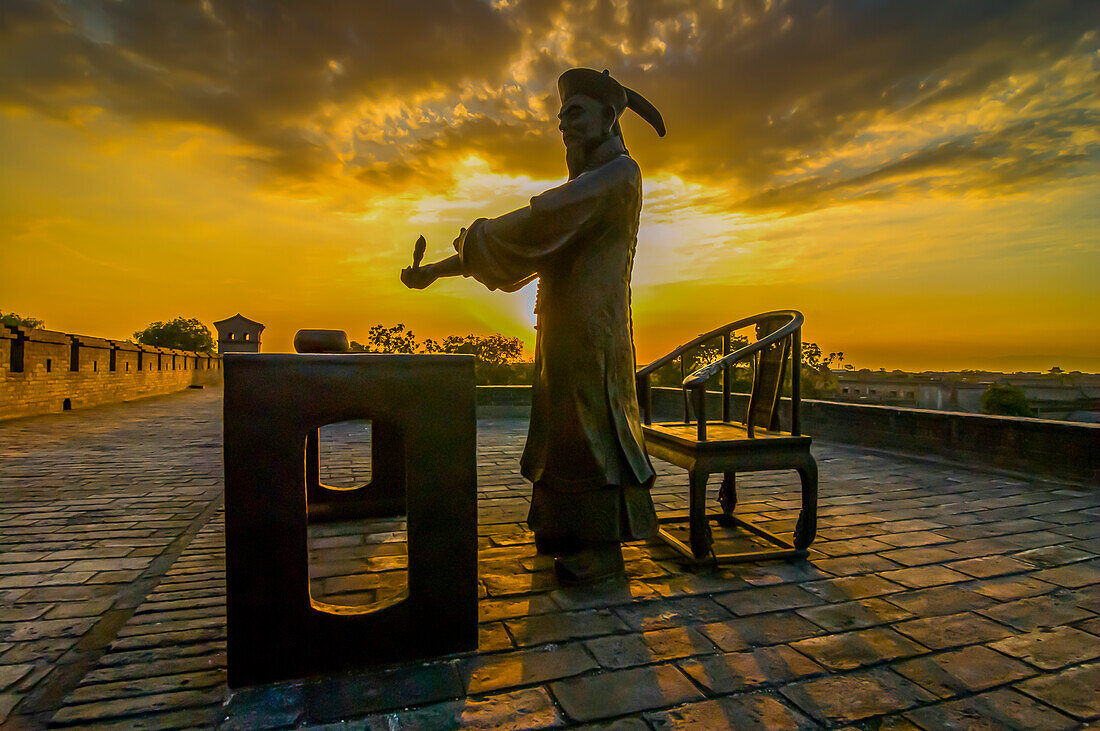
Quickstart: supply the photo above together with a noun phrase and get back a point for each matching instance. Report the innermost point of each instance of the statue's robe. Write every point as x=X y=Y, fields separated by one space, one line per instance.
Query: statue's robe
x=584 y=451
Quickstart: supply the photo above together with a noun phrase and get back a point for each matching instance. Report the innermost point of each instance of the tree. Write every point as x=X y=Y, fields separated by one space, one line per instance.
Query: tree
x=1005 y=400
x=13 y=320
x=179 y=333
x=811 y=355
x=381 y=339
x=498 y=356
x=817 y=375
x=496 y=349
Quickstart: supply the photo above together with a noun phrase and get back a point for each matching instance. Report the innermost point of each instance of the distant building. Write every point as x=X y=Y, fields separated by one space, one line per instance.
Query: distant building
x=879 y=389
x=238 y=334
x=1063 y=396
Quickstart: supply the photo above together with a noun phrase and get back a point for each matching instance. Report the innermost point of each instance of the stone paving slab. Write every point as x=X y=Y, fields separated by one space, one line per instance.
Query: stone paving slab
x=95 y=506
x=935 y=597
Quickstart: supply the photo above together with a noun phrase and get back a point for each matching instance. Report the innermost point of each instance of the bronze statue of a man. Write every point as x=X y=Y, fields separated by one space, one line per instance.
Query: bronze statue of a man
x=584 y=452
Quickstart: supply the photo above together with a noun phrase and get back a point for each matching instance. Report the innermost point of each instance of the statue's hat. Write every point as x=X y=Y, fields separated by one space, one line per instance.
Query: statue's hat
x=602 y=87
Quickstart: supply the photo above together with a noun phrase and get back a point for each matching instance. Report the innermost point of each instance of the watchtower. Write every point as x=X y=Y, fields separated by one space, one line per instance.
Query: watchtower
x=238 y=334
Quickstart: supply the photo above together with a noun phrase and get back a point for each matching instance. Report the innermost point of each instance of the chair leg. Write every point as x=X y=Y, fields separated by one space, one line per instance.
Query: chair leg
x=806 y=529
x=701 y=538
x=727 y=495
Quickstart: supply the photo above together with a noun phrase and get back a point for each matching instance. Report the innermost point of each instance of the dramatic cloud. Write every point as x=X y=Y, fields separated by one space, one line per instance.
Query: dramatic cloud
x=784 y=105
x=882 y=165
x=260 y=70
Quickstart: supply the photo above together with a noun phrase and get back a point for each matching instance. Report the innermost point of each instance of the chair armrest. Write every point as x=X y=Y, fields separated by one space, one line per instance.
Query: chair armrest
x=743 y=322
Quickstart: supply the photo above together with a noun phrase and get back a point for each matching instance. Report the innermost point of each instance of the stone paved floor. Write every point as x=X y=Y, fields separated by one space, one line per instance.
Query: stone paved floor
x=936 y=597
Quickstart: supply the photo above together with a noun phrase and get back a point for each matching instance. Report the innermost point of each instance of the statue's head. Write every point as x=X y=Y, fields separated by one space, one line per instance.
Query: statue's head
x=591 y=104
x=585 y=121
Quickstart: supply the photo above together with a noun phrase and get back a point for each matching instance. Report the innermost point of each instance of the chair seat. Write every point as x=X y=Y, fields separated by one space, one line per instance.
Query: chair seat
x=729 y=449
x=723 y=436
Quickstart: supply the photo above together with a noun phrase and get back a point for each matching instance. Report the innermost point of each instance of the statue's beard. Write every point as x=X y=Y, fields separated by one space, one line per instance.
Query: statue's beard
x=578 y=154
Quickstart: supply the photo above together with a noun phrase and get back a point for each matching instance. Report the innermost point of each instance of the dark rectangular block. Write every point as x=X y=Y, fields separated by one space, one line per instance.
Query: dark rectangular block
x=273 y=403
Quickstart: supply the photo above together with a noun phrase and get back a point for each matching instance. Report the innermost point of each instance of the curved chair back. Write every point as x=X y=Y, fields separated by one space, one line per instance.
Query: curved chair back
x=779 y=340
x=767 y=382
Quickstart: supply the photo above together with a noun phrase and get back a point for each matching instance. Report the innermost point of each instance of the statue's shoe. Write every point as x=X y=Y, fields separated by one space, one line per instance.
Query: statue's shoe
x=591 y=565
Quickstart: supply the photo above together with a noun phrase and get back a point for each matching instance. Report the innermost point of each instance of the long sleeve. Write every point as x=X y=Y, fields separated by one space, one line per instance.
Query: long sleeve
x=507 y=252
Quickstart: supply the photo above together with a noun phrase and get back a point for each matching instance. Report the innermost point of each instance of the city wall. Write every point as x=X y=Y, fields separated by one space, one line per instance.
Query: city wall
x=44 y=371
x=1043 y=448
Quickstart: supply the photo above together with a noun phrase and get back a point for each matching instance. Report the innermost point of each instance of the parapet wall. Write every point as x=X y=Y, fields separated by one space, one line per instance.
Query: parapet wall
x=1065 y=450
x=503 y=401
x=43 y=371
x=1043 y=448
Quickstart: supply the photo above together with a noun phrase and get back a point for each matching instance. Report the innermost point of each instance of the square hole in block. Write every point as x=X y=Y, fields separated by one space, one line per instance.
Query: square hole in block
x=355 y=565
x=358 y=565
x=344 y=453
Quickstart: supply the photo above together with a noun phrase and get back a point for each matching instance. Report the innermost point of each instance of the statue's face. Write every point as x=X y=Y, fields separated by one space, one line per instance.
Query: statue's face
x=584 y=121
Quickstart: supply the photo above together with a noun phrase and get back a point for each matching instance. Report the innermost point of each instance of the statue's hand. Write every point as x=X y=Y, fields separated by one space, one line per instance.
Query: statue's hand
x=418 y=277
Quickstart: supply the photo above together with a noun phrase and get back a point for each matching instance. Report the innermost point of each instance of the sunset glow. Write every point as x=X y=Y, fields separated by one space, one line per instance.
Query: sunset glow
x=921 y=180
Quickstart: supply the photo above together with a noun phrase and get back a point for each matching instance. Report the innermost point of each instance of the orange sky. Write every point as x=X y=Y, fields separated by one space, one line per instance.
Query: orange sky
x=920 y=180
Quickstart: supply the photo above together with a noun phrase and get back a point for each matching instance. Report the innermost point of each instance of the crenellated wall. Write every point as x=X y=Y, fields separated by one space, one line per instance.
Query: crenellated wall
x=43 y=371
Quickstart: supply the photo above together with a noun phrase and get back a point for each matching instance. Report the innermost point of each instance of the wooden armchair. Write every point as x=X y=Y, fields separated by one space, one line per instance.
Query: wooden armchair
x=703 y=447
